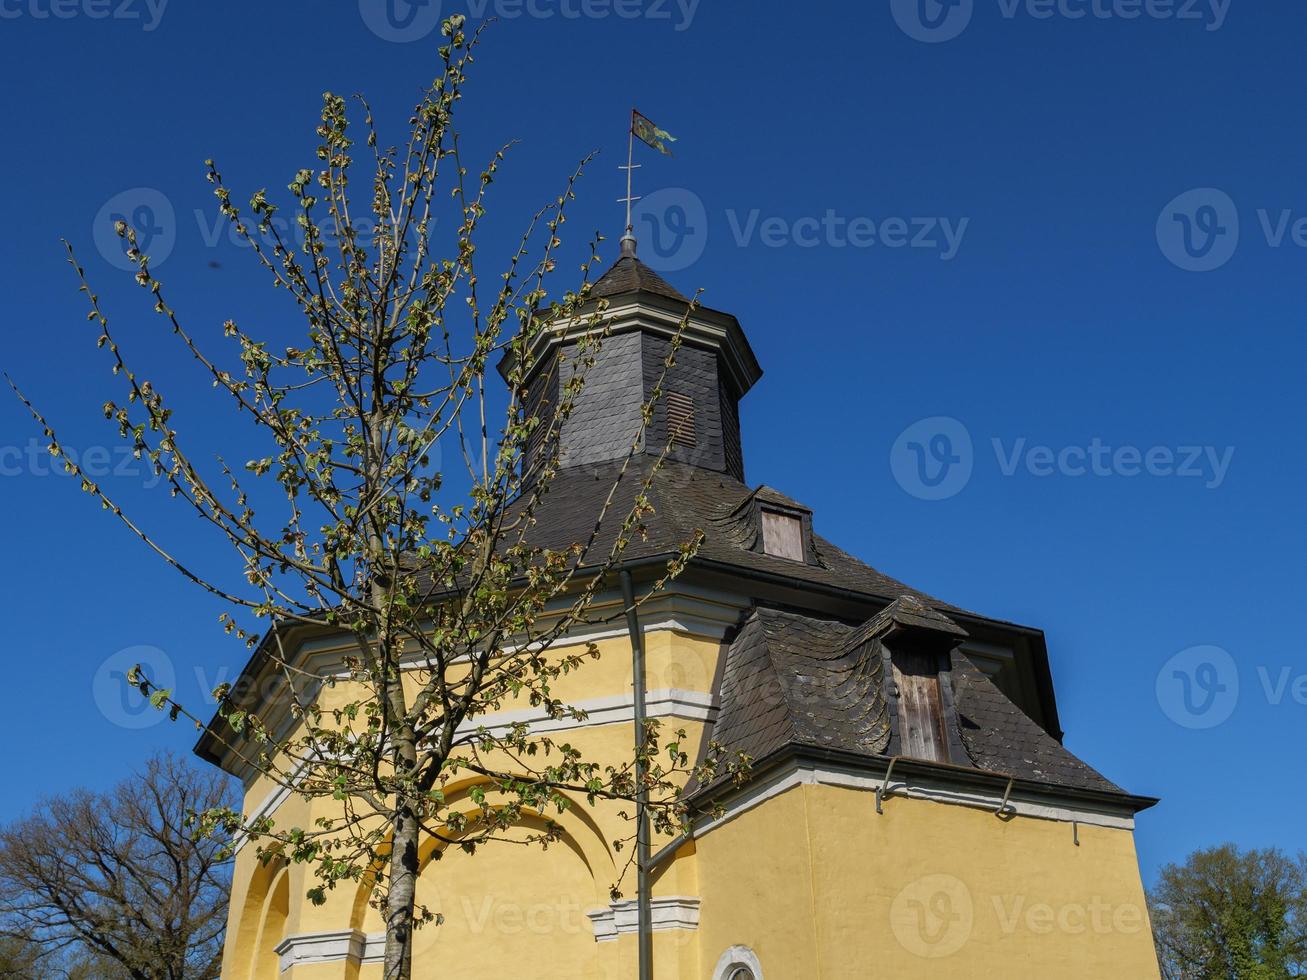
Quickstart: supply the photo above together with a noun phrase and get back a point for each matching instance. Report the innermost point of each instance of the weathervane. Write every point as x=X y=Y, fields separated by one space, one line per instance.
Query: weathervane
x=650 y=135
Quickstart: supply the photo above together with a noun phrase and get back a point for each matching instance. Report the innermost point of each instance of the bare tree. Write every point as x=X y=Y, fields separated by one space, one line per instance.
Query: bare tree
x=433 y=571
x=122 y=875
x=24 y=959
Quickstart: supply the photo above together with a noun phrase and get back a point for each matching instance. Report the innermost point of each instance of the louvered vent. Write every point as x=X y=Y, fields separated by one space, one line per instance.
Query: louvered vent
x=680 y=420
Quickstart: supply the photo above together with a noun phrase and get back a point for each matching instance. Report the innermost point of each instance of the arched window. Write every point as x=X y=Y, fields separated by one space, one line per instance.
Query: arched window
x=738 y=963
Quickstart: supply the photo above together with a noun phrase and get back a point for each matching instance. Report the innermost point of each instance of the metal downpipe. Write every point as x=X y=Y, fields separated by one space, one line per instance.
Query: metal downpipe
x=643 y=907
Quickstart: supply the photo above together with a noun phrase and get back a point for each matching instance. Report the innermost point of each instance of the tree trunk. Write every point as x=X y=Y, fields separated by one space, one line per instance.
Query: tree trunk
x=402 y=894
x=402 y=891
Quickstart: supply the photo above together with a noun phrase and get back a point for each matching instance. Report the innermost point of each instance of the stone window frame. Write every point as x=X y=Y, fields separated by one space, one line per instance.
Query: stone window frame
x=737 y=958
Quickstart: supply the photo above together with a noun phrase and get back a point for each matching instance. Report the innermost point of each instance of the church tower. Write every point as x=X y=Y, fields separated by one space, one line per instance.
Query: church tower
x=911 y=810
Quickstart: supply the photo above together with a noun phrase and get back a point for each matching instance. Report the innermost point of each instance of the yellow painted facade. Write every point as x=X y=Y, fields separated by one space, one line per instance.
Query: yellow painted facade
x=805 y=875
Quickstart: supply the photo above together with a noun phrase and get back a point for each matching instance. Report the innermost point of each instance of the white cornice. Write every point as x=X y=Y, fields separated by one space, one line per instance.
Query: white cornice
x=269 y=805
x=352 y=945
x=667 y=912
x=330 y=947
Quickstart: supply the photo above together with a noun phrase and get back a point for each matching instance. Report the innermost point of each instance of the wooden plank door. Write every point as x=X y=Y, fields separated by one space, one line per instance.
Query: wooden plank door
x=921 y=708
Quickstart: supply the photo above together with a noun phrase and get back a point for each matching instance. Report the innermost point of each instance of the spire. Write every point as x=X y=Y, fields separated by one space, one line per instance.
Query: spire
x=628 y=237
x=650 y=135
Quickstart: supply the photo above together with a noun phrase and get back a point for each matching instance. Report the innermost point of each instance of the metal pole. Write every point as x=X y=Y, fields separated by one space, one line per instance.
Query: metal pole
x=630 y=166
x=644 y=912
x=628 y=236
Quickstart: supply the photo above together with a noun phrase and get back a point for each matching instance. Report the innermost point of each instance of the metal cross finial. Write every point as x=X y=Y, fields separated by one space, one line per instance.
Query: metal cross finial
x=628 y=239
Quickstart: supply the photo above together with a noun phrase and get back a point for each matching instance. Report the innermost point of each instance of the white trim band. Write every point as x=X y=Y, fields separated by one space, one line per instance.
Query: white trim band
x=921 y=788
x=618 y=709
x=612 y=710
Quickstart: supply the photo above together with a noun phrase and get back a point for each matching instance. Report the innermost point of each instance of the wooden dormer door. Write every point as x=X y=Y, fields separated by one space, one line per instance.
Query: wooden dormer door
x=922 y=733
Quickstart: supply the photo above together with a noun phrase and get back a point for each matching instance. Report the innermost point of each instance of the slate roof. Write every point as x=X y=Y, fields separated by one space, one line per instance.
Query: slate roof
x=796 y=680
x=793 y=679
x=1000 y=737
x=686 y=498
x=629 y=275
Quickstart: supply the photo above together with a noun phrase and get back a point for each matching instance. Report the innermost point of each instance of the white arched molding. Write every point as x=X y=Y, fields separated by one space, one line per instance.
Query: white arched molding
x=735 y=958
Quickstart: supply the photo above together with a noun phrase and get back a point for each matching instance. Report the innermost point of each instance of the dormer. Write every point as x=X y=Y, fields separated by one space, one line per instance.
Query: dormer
x=917 y=645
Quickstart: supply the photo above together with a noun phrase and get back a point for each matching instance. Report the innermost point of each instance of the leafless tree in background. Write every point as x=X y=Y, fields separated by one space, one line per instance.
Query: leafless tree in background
x=119 y=877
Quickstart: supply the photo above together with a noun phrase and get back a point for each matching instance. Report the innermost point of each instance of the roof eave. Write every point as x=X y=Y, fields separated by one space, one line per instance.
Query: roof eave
x=964 y=775
x=209 y=746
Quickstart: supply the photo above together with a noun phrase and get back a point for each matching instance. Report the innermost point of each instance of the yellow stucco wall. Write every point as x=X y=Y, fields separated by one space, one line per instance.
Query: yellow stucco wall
x=813 y=880
x=926 y=889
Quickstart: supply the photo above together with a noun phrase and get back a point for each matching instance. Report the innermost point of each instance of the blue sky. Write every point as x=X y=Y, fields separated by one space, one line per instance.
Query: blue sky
x=1026 y=286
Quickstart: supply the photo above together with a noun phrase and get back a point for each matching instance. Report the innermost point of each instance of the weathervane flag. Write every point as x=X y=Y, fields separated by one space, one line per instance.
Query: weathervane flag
x=650 y=134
